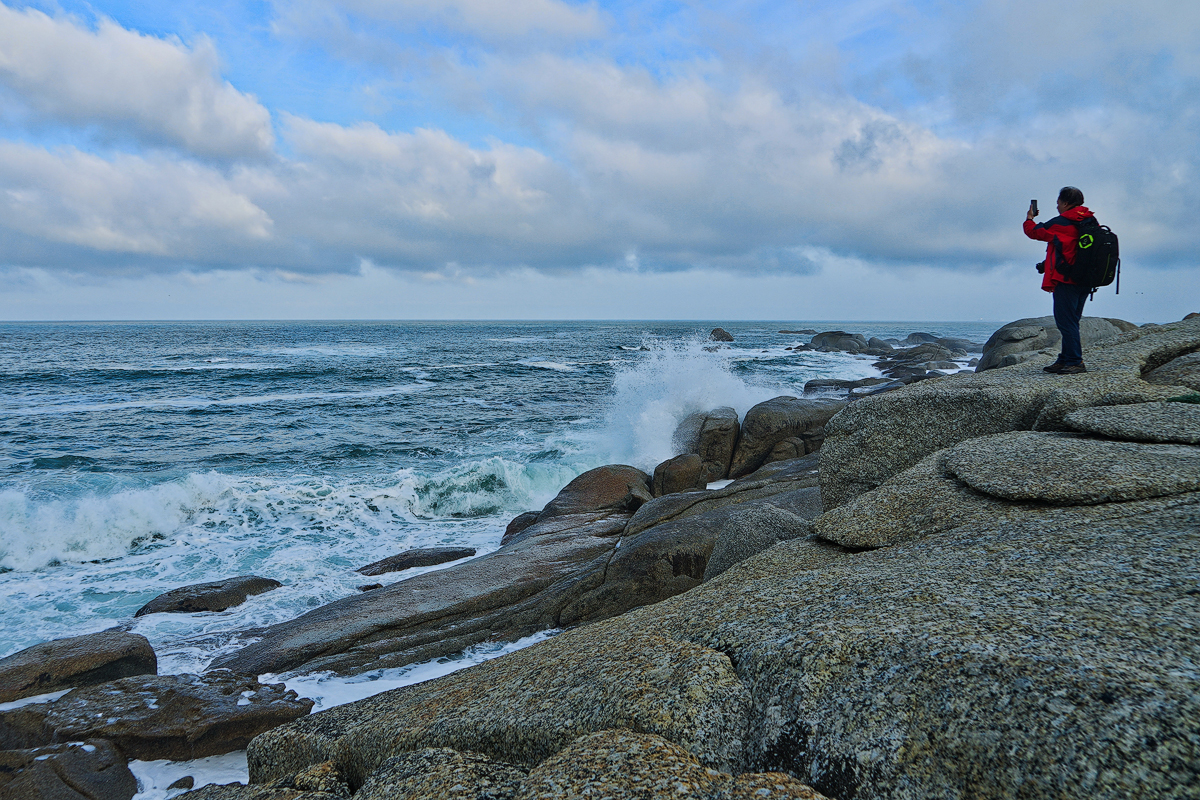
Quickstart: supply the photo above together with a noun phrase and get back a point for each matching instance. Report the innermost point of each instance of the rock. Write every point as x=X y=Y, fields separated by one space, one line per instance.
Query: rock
x=623 y=765
x=712 y=435
x=874 y=438
x=840 y=340
x=679 y=474
x=323 y=777
x=369 y=587
x=875 y=343
x=1023 y=339
x=615 y=487
x=214 y=596
x=919 y=337
x=720 y=335
x=1140 y=422
x=788 y=448
x=418 y=557
x=831 y=384
x=518 y=524
x=186 y=782
x=434 y=773
x=178 y=717
x=805 y=331
x=748 y=531
x=240 y=791
x=1181 y=371
x=1068 y=470
x=91 y=770
x=1192 y=315
x=647 y=683
x=511 y=592
x=78 y=661
x=772 y=421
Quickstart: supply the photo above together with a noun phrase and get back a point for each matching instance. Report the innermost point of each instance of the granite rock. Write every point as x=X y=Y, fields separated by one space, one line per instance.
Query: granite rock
x=615 y=487
x=439 y=773
x=240 y=791
x=720 y=335
x=1024 y=339
x=711 y=435
x=772 y=421
x=750 y=530
x=679 y=474
x=178 y=717
x=417 y=557
x=89 y=770
x=77 y=661
x=1065 y=469
x=1140 y=422
x=1181 y=371
x=840 y=340
x=213 y=596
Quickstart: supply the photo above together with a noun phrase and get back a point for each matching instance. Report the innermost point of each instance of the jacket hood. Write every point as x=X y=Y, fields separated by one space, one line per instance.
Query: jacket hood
x=1078 y=213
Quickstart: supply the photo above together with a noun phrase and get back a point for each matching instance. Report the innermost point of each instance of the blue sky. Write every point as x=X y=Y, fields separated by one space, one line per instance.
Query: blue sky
x=548 y=159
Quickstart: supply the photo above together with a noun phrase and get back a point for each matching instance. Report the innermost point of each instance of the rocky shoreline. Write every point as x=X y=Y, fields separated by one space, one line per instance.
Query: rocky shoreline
x=983 y=584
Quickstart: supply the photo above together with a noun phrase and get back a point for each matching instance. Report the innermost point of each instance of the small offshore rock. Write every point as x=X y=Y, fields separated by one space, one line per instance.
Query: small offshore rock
x=178 y=717
x=186 y=782
x=213 y=596
x=87 y=770
x=720 y=335
x=77 y=661
x=417 y=557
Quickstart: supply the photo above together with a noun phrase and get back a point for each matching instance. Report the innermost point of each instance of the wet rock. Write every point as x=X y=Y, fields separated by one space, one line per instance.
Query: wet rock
x=518 y=524
x=417 y=557
x=720 y=335
x=186 y=782
x=214 y=596
x=178 y=717
x=1024 y=339
x=615 y=487
x=804 y=331
x=1140 y=422
x=679 y=474
x=511 y=592
x=1069 y=470
x=834 y=384
x=879 y=345
x=772 y=421
x=437 y=773
x=1181 y=371
x=90 y=770
x=369 y=587
x=78 y=661
x=712 y=435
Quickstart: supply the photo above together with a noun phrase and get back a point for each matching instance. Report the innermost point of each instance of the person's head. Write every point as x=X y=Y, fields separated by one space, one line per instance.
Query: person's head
x=1068 y=198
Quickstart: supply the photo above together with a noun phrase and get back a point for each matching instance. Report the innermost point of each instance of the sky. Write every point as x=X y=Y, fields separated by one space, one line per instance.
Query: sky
x=551 y=159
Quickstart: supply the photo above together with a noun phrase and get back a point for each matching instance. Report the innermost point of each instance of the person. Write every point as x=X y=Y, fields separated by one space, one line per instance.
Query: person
x=1061 y=236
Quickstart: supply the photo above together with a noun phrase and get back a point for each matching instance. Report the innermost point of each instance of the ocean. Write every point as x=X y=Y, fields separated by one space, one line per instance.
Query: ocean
x=139 y=457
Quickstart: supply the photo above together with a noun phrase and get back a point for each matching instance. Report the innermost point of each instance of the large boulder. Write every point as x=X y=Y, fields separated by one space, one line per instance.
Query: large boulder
x=1024 y=339
x=77 y=661
x=213 y=596
x=417 y=557
x=679 y=474
x=877 y=437
x=615 y=487
x=90 y=770
x=772 y=421
x=1181 y=371
x=712 y=435
x=178 y=717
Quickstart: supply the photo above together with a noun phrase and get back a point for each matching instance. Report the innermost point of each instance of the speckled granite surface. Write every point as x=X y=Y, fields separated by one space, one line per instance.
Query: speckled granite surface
x=1141 y=422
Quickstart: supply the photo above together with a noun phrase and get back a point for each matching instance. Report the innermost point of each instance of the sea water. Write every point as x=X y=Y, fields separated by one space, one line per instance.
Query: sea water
x=139 y=457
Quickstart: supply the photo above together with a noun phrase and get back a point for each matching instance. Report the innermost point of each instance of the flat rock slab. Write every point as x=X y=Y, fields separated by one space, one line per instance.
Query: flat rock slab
x=418 y=557
x=213 y=596
x=1070 y=470
x=91 y=770
x=1140 y=422
x=77 y=661
x=178 y=717
x=1182 y=371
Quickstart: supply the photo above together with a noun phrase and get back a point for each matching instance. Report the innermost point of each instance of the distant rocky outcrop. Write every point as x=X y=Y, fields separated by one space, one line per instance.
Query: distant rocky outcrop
x=213 y=596
x=77 y=661
x=720 y=335
x=839 y=340
x=1024 y=339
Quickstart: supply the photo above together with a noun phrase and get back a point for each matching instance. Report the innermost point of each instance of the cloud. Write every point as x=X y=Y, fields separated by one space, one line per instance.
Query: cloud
x=127 y=84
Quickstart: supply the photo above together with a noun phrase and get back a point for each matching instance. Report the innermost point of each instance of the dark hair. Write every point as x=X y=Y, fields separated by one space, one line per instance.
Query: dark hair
x=1071 y=196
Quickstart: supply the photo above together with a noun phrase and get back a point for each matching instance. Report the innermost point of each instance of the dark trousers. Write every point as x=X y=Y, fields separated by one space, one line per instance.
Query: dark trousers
x=1068 y=309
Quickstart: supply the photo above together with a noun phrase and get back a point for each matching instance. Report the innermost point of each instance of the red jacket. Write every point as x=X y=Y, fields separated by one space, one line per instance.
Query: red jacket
x=1059 y=228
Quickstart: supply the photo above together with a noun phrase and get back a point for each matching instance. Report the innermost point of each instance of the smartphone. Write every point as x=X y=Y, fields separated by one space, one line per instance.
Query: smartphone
x=1033 y=207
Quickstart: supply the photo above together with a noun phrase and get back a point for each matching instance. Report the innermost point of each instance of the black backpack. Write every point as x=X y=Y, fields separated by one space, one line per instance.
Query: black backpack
x=1097 y=256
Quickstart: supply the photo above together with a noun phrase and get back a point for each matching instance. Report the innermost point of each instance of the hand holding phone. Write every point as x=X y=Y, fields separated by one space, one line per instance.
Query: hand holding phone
x=1033 y=210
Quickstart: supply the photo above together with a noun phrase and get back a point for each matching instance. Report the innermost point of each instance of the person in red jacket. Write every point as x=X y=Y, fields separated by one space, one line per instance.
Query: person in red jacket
x=1061 y=236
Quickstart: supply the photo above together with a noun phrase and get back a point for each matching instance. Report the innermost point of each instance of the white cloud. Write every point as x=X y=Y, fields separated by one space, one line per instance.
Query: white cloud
x=159 y=91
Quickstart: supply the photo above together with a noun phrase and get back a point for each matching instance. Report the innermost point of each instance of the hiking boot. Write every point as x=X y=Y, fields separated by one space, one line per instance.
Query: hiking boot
x=1056 y=367
x=1074 y=369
